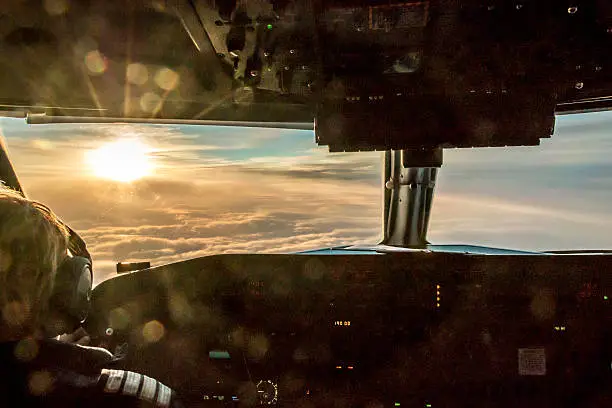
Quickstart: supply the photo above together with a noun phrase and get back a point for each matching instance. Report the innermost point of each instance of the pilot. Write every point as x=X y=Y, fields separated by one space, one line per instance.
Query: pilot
x=36 y=370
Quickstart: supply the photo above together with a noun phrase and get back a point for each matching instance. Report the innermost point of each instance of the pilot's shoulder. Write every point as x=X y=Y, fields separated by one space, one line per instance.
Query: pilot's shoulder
x=128 y=385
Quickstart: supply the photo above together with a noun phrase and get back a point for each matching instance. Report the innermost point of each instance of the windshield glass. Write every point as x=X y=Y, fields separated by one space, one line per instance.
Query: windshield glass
x=554 y=196
x=169 y=193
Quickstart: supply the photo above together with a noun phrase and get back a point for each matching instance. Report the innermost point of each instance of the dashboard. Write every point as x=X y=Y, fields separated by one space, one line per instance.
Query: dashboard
x=395 y=330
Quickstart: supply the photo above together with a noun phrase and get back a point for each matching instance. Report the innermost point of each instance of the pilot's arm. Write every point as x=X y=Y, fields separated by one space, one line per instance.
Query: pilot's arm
x=129 y=387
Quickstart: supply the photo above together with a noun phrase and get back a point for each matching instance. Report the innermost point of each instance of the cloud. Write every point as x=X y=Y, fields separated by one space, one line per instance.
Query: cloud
x=162 y=220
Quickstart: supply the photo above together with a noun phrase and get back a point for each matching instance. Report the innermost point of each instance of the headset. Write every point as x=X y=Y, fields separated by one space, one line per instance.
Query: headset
x=72 y=289
x=69 y=301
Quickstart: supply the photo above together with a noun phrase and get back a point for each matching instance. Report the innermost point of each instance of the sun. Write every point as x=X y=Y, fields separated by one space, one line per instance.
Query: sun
x=123 y=160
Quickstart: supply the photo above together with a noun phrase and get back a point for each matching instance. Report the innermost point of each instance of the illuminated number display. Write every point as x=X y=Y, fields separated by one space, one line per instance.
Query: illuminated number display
x=342 y=323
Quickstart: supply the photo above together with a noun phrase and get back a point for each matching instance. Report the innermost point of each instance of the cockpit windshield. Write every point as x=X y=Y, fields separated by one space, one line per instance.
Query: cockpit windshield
x=168 y=193
x=551 y=197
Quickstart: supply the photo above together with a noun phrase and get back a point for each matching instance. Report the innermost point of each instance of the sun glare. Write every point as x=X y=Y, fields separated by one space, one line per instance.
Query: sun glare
x=122 y=160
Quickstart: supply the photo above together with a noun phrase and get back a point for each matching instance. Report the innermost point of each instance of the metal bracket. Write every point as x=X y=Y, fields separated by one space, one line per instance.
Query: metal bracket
x=408 y=196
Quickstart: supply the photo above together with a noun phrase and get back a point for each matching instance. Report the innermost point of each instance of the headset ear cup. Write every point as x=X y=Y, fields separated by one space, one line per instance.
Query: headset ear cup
x=72 y=290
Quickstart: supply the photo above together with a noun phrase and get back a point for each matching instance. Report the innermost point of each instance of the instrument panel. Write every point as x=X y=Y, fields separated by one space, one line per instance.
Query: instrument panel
x=401 y=330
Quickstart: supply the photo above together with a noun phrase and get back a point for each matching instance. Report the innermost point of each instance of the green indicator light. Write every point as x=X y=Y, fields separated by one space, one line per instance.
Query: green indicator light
x=269 y=26
x=605 y=297
x=397 y=404
x=219 y=355
x=428 y=405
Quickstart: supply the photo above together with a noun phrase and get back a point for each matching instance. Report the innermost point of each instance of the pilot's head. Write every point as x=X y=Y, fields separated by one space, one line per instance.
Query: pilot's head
x=33 y=242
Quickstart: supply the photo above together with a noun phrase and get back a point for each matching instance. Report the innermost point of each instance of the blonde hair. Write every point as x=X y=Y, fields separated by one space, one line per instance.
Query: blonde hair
x=33 y=242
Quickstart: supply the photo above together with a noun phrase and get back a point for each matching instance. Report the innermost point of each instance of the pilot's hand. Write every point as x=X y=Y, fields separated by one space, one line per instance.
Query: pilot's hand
x=79 y=336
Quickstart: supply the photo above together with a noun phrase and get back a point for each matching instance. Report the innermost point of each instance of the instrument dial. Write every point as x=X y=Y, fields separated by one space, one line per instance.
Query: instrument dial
x=267 y=392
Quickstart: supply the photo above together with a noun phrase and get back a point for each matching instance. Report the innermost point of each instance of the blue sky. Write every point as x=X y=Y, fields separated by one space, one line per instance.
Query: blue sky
x=219 y=190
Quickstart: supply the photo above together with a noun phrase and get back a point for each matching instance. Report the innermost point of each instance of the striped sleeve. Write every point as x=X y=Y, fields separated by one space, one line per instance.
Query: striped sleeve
x=132 y=384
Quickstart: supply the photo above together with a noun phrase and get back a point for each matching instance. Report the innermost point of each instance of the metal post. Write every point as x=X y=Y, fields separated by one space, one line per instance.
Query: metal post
x=409 y=187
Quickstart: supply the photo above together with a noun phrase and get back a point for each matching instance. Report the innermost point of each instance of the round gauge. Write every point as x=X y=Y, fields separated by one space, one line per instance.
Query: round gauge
x=267 y=392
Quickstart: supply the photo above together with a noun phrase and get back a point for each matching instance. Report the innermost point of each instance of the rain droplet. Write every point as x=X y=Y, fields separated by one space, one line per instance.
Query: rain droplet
x=572 y=10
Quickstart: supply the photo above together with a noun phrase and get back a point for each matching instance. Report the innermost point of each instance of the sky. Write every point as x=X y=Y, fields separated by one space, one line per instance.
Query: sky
x=189 y=191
